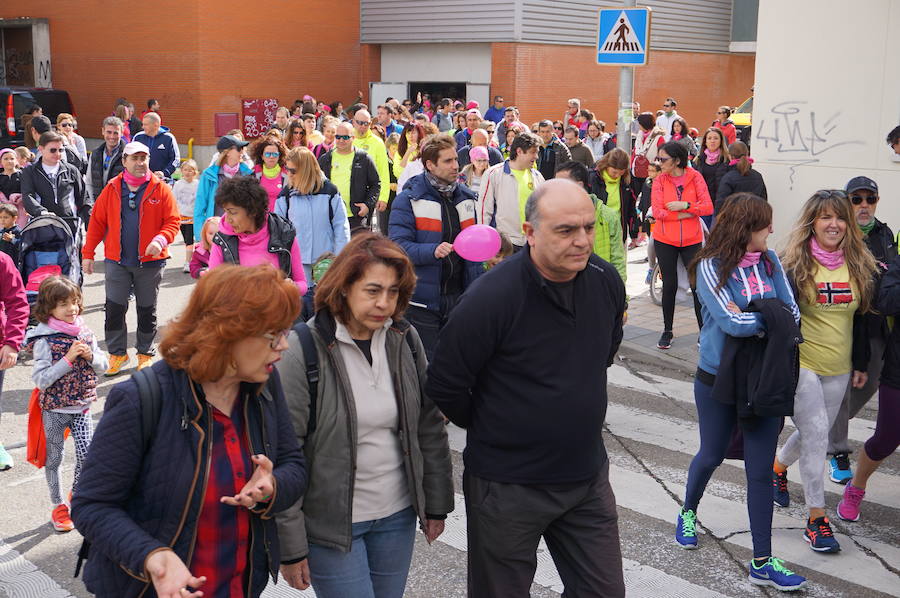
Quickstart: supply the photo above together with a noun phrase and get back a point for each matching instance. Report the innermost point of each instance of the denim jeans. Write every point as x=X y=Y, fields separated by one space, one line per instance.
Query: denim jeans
x=377 y=564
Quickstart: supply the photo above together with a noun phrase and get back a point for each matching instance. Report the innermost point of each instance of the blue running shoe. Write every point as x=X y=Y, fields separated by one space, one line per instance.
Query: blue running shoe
x=840 y=468
x=774 y=573
x=780 y=489
x=820 y=537
x=686 y=530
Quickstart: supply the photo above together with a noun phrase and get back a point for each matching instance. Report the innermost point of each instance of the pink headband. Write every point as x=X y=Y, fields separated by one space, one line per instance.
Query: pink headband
x=478 y=153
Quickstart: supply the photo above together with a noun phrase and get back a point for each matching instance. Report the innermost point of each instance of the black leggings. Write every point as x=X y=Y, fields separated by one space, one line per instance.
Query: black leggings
x=667 y=258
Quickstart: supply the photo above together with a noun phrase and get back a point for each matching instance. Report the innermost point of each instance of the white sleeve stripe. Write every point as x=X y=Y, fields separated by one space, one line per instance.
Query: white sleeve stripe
x=721 y=297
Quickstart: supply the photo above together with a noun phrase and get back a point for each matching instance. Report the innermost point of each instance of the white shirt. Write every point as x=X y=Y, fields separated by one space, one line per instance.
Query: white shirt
x=664 y=122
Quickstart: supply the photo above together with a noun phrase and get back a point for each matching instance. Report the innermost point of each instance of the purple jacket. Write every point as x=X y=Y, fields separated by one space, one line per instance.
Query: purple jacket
x=13 y=304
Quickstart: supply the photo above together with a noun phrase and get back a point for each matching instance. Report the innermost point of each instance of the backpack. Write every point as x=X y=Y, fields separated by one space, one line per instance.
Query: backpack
x=287 y=203
x=311 y=359
x=150 y=395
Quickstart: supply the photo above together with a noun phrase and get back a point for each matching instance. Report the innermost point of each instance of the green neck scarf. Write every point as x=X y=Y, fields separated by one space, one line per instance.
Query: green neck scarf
x=867 y=228
x=271 y=173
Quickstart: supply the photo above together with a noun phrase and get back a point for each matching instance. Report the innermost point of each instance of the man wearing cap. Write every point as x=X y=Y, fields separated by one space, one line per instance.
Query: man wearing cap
x=164 y=153
x=229 y=164
x=354 y=173
x=480 y=138
x=53 y=185
x=863 y=193
x=136 y=218
x=473 y=119
x=372 y=145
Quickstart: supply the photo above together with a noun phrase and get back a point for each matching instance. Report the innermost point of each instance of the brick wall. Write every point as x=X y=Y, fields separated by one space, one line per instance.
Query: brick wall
x=539 y=78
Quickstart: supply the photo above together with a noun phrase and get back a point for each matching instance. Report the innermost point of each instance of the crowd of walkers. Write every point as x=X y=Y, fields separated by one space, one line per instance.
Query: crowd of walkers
x=296 y=419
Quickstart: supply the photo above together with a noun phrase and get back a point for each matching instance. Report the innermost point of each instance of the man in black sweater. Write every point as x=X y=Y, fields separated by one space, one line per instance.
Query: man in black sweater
x=521 y=364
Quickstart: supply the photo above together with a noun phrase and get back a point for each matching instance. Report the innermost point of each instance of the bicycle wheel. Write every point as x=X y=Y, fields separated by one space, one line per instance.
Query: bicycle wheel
x=656 y=286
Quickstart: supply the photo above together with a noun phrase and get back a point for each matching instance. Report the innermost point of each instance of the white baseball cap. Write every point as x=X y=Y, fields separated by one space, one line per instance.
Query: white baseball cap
x=135 y=147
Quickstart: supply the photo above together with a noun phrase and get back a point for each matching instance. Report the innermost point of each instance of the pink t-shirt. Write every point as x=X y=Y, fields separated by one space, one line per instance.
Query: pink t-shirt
x=272 y=186
x=253 y=249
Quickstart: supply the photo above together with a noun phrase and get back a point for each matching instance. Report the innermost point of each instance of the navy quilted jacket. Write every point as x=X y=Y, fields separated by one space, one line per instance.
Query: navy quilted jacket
x=128 y=504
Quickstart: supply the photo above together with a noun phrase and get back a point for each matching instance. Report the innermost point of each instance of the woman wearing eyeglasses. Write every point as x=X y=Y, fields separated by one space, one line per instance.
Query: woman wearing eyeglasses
x=379 y=459
x=65 y=126
x=679 y=198
x=295 y=136
x=268 y=154
x=723 y=122
x=829 y=265
x=249 y=234
x=186 y=508
x=314 y=206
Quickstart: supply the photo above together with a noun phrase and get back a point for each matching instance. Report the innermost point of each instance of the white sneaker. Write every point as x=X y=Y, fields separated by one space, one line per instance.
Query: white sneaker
x=186 y=269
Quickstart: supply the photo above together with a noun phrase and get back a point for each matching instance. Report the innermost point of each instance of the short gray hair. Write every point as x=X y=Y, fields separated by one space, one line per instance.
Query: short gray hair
x=112 y=121
x=152 y=116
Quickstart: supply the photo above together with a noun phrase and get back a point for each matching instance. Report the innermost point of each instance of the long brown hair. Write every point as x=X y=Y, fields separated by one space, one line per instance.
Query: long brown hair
x=618 y=159
x=740 y=152
x=724 y=156
x=738 y=218
x=801 y=266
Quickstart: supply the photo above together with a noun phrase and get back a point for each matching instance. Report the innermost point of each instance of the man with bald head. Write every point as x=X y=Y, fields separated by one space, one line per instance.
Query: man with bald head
x=164 y=154
x=521 y=364
x=367 y=141
x=480 y=138
x=353 y=172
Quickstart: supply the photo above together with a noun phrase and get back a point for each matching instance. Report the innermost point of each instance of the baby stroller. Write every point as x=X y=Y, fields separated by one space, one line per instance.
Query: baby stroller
x=48 y=248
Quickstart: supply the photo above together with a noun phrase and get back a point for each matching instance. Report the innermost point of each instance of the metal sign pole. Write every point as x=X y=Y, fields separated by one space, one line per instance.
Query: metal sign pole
x=626 y=98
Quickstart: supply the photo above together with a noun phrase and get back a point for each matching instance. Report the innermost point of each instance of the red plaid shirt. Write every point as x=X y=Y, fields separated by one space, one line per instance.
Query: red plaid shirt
x=223 y=532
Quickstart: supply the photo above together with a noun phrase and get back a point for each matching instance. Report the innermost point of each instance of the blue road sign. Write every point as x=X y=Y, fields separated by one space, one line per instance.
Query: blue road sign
x=623 y=35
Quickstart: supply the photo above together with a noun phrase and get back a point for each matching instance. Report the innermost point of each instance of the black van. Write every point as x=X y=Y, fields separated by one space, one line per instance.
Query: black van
x=15 y=101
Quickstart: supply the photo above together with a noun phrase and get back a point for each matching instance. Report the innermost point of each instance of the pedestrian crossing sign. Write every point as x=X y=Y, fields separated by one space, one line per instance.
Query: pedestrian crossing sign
x=623 y=36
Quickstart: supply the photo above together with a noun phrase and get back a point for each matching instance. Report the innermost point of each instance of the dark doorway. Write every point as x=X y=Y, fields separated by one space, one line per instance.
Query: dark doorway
x=438 y=90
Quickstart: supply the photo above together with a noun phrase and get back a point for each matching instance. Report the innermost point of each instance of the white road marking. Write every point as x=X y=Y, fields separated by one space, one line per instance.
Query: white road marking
x=19 y=578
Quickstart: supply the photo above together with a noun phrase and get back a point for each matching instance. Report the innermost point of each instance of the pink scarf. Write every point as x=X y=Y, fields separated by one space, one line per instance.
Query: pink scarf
x=830 y=259
x=135 y=181
x=733 y=162
x=73 y=329
x=712 y=157
x=230 y=171
x=751 y=258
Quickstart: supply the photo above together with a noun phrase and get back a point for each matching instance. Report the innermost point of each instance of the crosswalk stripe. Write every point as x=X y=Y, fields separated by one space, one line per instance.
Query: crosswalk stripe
x=682 y=436
x=859 y=429
x=19 y=578
x=642 y=494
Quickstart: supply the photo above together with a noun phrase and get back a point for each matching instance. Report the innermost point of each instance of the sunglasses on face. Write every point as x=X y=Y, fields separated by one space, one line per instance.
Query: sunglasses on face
x=54 y=150
x=363 y=123
x=663 y=159
x=720 y=113
x=270 y=154
x=67 y=125
x=557 y=128
x=342 y=137
x=858 y=199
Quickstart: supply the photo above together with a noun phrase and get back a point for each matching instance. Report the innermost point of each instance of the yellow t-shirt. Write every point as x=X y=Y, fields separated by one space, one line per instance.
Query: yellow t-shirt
x=341 y=165
x=827 y=324
x=613 y=198
x=526 y=185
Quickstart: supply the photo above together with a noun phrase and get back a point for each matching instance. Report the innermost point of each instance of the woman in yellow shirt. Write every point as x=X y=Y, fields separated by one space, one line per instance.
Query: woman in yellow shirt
x=831 y=269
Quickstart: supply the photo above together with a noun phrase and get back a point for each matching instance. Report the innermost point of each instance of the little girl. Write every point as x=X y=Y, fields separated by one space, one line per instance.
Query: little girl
x=200 y=259
x=185 y=190
x=24 y=156
x=66 y=362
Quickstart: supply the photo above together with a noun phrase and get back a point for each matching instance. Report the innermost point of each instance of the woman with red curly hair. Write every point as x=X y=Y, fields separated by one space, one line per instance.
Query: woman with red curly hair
x=379 y=456
x=181 y=484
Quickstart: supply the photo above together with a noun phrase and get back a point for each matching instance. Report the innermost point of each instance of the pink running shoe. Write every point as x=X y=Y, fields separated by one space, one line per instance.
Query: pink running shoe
x=848 y=508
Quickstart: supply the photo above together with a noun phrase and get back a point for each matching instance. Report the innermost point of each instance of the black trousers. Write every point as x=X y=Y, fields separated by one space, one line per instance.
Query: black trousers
x=667 y=258
x=428 y=323
x=578 y=521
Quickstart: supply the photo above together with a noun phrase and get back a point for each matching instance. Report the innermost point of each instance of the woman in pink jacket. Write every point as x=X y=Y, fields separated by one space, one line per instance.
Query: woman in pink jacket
x=249 y=234
x=13 y=319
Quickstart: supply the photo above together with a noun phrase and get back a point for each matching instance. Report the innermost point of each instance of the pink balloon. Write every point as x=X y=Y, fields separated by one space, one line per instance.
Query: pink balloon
x=477 y=243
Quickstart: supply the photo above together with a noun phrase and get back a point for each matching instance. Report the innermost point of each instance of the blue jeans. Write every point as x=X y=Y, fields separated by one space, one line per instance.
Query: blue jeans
x=377 y=564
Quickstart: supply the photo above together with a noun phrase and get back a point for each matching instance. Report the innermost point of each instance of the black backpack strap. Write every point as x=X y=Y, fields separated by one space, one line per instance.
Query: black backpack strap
x=311 y=358
x=415 y=356
x=150 y=394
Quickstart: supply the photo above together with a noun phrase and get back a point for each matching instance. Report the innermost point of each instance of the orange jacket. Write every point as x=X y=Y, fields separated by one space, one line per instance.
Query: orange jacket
x=159 y=215
x=668 y=228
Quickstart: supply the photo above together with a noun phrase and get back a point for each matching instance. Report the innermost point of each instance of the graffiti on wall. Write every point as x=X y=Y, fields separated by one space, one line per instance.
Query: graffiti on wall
x=800 y=134
x=18 y=67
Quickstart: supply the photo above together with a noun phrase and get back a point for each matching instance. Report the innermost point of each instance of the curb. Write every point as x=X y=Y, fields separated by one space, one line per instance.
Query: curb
x=659 y=357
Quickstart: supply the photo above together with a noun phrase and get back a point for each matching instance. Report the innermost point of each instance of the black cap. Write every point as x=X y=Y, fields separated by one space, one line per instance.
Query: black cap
x=862 y=182
x=229 y=141
x=41 y=124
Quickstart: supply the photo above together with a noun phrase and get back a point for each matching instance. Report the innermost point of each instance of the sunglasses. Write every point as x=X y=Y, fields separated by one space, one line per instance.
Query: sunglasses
x=67 y=125
x=363 y=123
x=858 y=199
x=558 y=128
x=342 y=137
x=54 y=150
x=720 y=113
x=662 y=159
x=270 y=154
x=132 y=203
